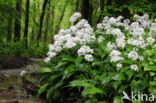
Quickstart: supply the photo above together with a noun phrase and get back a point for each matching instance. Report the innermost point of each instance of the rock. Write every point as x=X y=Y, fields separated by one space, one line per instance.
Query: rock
x=6 y=76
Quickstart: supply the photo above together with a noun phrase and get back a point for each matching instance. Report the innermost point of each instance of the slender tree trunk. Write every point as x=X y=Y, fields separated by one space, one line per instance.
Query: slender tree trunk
x=77 y=6
x=18 y=20
x=47 y=23
x=41 y=19
x=86 y=10
x=53 y=17
x=9 y=36
x=101 y=10
x=26 y=23
x=52 y=23
x=57 y=28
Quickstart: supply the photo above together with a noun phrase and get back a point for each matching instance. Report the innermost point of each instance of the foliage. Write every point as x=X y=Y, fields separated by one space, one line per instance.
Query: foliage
x=18 y=49
x=118 y=64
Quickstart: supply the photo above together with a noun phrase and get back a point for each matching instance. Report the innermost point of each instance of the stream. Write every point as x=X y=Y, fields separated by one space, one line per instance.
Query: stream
x=11 y=89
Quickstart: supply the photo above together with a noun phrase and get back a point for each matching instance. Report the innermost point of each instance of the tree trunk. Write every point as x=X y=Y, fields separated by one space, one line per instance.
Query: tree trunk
x=52 y=23
x=47 y=23
x=18 y=20
x=101 y=10
x=41 y=19
x=57 y=28
x=9 y=36
x=26 y=24
x=77 y=6
x=86 y=10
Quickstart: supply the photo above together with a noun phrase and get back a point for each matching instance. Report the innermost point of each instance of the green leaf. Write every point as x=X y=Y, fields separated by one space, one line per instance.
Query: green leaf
x=42 y=89
x=136 y=101
x=118 y=100
x=119 y=76
x=93 y=91
x=150 y=68
x=45 y=70
x=50 y=92
x=61 y=63
x=79 y=60
x=78 y=83
x=130 y=73
x=68 y=70
x=68 y=58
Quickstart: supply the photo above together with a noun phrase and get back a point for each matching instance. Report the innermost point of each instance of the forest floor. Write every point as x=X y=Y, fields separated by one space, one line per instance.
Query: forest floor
x=13 y=87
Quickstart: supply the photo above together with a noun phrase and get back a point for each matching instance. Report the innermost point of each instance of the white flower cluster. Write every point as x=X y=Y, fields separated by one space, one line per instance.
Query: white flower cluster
x=81 y=33
x=100 y=39
x=75 y=16
x=115 y=56
x=143 y=20
x=133 y=55
x=119 y=65
x=134 y=67
x=139 y=34
x=86 y=51
x=111 y=46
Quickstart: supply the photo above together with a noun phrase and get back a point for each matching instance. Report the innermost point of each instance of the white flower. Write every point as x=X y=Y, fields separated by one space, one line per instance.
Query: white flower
x=84 y=50
x=115 y=56
x=134 y=67
x=47 y=60
x=100 y=39
x=110 y=46
x=22 y=73
x=51 y=47
x=137 y=32
x=51 y=54
x=75 y=16
x=119 y=65
x=73 y=28
x=69 y=44
x=120 y=42
x=117 y=32
x=141 y=58
x=133 y=55
x=112 y=20
x=150 y=40
x=89 y=57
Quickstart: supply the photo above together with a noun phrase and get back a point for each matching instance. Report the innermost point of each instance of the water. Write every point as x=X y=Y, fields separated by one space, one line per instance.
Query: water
x=11 y=89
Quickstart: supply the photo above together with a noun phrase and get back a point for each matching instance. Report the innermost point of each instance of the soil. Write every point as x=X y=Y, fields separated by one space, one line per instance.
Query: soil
x=7 y=62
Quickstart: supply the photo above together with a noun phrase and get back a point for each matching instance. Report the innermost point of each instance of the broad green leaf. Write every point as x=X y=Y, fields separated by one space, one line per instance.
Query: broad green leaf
x=136 y=101
x=45 y=70
x=152 y=74
x=119 y=76
x=68 y=70
x=118 y=100
x=150 y=68
x=42 y=89
x=130 y=73
x=68 y=58
x=93 y=91
x=50 y=92
x=78 y=83
x=152 y=83
x=60 y=64
x=79 y=60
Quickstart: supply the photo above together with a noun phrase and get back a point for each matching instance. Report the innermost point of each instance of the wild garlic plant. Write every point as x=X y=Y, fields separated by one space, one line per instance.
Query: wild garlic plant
x=138 y=35
x=119 y=55
x=131 y=39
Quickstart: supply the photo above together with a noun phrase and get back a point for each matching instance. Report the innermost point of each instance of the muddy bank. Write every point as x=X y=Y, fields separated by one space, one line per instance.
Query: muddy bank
x=12 y=90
